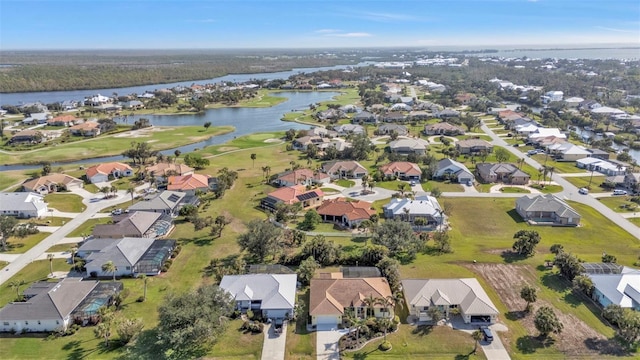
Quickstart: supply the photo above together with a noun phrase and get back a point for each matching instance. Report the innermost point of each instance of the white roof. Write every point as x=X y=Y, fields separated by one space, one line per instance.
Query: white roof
x=574 y=99
x=621 y=289
x=545 y=132
x=414 y=144
x=607 y=110
x=422 y=205
x=527 y=128
x=574 y=150
x=21 y=201
x=276 y=291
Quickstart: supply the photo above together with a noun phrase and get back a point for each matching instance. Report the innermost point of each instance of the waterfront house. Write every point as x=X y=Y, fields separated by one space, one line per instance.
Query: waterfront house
x=108 y=171
x=52 y=183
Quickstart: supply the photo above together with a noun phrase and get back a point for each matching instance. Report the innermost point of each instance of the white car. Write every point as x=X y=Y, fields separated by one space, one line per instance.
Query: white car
x=117 y=212
x=619 y=192
x=583 y=191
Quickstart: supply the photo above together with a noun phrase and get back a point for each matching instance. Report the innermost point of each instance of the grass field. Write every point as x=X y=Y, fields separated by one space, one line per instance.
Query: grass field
x=264 y=98
x=619 y=203
x=46 y=221
x=514 y=190
x=62 y=247
x=19 y=245
x=635 y=220
x=346 y=183
x=560 y=166
x=583 y=181
x=442 y=186
x=87 y=227
x=65 y=202
x=159 y=137
x=9 y=179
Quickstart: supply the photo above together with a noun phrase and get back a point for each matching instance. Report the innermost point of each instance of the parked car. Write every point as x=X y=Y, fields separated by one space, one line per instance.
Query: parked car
x=116 y=212
x=277 y=326
x=469 y=183
x=619 y=192
x=532 y=152
x=486 y=332
x=413 y=183
x=583 y=191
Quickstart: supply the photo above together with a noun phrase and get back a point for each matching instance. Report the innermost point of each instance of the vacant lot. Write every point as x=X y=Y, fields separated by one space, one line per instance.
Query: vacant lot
x=65 y=202
x=578 y=339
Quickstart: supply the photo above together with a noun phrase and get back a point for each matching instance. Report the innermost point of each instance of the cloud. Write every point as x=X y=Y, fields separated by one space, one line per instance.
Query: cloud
x=327 y=31
x=353 y=34
x=615 y=30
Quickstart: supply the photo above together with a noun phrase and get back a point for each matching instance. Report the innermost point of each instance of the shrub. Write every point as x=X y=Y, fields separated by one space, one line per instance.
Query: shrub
x=385 y=346
x=250 y=314
x=140 y=299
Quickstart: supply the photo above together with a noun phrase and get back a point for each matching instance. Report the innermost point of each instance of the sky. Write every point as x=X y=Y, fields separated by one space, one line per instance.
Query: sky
x=172 y=24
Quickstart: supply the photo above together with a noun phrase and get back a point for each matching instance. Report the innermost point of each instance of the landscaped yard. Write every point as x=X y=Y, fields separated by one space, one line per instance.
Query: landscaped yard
x=62 y=247
x=635 y=220
x=559 y=166
x=514 y=190
x=345 y=183
x=424 y=342
x=65 y=202
x=442 y=186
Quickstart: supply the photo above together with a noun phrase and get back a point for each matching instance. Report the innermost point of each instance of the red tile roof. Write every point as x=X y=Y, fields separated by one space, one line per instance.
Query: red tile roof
x=404 y=167
x=188 y=182
x=107 y=168
x=290 y=194
x=353 y=210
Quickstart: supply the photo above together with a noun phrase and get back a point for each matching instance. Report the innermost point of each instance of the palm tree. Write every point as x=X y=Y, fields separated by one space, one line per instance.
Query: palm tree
x=386 y=324
x=551 y=169
x=477 y=336
x=15 y=284
x=73 y=249
x=114 y=190
x=131 y=191
x=371 y=301
x=144 y=278
x=105 y=190
x=50 y=257
x=110 y=267
x=253 y=159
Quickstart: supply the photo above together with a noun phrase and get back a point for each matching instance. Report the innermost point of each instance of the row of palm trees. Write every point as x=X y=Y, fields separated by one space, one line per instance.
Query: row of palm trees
x=356 y=322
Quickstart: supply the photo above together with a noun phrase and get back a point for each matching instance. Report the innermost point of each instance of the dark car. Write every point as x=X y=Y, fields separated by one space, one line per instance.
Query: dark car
x=486 y=332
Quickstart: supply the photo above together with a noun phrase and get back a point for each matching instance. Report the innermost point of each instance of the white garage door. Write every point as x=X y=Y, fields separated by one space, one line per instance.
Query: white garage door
x=326 y=320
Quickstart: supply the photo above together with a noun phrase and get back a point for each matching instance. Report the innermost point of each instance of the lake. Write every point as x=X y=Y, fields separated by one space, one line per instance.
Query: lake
x=245 y=120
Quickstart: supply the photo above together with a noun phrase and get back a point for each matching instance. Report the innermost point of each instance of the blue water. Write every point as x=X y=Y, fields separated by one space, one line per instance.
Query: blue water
x=245 y=120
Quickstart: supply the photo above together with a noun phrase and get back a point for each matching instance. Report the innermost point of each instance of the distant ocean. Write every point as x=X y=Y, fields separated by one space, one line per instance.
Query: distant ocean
x=596 y=51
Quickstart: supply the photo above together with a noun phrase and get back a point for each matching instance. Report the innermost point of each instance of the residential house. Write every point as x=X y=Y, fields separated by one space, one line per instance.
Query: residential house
x=132 y=104
x=302 y=143
x=400 y=107
x=344 y=212
x=128 y=255
x=88 y=128
x=465 y=295
x=393 y=117
x=570 y=152
x=446 y=113
x=573 y=102
x=388 y=129
x=331 y=296
x=443 y=128
x=588 y=105
x=621 y=289
x=418 y=115
x=407 y=146
x=607 y=111
x=138 y=224
x=52 y=183
x=322 y=132
x=546 y=209
x=502 y=172
x=291 y=195
x=191 y=183
x=364 y=117
x=51 y=306
x=546 y=132
x=349 y=108
x=161 y=171
x=347 y=129
x=330 y=115
x=344 y=169
x=69 y=105
x=97 y=100
x=632 y=181
x=608 y=168
x=425 y=208
x=36 y=118
x=63 y=120
x=301 y=176
x=473 y=146
x=166 y=202
x=450 y=169
x=526 y=129
x=465 y=99
x=107 y=171
x=599 y=154
x=270 y=295
x=402 y=170
x=27 y=136
x=23 y=205
x=551 y=96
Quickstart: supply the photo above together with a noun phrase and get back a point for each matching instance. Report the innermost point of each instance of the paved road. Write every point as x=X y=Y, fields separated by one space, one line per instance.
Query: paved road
x=90 y=212
x=274 y=344
x=570 y=191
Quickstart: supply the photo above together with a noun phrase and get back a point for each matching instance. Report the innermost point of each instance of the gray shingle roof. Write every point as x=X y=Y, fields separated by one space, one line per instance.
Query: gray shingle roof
x=276 y=291
x=122 y=252
x=466 y=293
x=546 y=203
x=21 y=201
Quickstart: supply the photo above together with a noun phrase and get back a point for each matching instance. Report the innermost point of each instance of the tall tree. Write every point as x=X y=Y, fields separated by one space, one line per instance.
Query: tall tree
x=529 y=294
x=110 y=267
x=50 y=257
x=546 y=322
x=253 y=159
x=526 y=241
x=477 y=336
x=7 y=224
x=131 y=191
x=207 y=125
x=398 y=237
x=261 y=240
x=325 y=251
x=144 y=279
x=190 y=322
x=307 y=270
x=501 y=154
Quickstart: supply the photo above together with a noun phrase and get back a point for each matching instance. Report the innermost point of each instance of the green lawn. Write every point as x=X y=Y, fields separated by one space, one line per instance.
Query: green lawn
x=19 y=245
x=245 y=142
x=393 y=185
x=9 y=179
x=442 y=186
x=619 y=203
x=514 y=190
x=328 y=190
x=560 y=166
x=160 y=138
x=87 y=227
x=347 y=183
x=62 y=247
x=264 y=98
x=47 y=221
x=409 y=342
x=635 y=220
x=584 y=181
x=549 y=189
x=65 y=202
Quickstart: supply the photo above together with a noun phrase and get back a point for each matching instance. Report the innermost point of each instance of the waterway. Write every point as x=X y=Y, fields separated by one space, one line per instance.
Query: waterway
x=588 y=135
x=245 y=121
x=49 y=97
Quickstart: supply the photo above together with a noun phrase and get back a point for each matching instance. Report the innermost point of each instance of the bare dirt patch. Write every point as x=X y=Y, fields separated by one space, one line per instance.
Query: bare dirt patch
x=273 y=140
x=577 y=339
x=235 y=224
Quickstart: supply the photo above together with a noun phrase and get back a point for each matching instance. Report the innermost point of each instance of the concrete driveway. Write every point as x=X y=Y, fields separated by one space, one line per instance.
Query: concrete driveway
x=274 y=344
x=327 y=343
x=495 y=350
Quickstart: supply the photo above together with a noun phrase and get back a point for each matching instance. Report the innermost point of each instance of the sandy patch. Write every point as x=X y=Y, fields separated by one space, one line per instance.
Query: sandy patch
x=273 y=140
x=227 y=148
x=236 y=225
x=152 y=141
